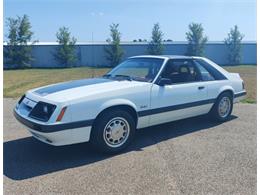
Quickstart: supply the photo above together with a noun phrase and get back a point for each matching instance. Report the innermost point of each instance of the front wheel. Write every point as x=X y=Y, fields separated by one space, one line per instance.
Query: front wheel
x=222 y=108
x=113 y=131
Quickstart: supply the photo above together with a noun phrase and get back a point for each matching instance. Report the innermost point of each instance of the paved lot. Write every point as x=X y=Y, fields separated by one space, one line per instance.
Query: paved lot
x=191 y=156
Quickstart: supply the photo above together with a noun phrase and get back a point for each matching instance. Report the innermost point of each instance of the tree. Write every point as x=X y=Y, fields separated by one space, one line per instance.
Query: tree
x=233 y=43
x=65 y=52
x=196 y=40
x=167 y=40
x=17 y=53
x=114 y=52
x=155 y=46
x=139 y=40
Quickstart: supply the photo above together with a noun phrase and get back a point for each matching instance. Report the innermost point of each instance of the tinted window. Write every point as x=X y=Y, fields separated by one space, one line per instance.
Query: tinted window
x=204 y=73
x=181 y=71
x=213 y=71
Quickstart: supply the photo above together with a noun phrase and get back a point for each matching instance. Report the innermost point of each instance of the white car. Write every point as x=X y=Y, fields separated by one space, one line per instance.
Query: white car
x=140 y=92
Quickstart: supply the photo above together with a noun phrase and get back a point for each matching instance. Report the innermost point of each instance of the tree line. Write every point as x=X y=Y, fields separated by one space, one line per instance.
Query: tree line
x=18 y=52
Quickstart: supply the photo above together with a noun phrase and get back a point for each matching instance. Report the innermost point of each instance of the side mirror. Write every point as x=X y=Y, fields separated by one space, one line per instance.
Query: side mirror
x=164 y=81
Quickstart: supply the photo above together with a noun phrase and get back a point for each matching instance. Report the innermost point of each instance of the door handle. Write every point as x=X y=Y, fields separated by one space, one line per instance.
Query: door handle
x=201 y=87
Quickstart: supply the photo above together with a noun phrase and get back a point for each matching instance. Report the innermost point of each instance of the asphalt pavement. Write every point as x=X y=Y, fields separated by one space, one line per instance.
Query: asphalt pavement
x=191 y=156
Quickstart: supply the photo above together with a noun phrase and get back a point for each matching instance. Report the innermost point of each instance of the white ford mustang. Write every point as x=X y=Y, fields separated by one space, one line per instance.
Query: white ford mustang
x=140 y=92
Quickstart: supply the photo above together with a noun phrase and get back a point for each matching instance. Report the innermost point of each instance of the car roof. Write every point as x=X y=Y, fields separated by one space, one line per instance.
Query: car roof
x=166 y=56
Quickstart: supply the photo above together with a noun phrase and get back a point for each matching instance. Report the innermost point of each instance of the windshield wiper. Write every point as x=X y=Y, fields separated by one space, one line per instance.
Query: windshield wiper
x=118 y=76
x=129 y=78
x=106 y=75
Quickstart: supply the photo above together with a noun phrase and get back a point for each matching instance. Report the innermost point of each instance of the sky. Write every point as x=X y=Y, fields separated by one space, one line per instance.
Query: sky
x=135 y=17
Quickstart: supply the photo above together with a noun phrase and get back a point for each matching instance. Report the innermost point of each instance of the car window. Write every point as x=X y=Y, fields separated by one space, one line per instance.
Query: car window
x=142 y=69
x=217 y=75
x=180 y=71
x=205 y=75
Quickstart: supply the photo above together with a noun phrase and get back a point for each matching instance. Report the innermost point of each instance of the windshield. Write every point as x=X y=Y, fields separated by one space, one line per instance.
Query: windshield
x=140 y=69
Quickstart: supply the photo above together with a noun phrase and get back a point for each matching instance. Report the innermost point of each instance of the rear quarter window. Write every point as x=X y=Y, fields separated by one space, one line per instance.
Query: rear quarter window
x=213 y=71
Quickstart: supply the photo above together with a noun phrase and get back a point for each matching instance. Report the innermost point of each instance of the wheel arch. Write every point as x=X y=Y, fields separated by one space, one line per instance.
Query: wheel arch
x=118 y=104
x=222 y=90
x=228 y=89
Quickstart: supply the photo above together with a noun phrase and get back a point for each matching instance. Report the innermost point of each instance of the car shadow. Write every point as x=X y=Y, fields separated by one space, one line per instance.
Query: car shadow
x=26 y=158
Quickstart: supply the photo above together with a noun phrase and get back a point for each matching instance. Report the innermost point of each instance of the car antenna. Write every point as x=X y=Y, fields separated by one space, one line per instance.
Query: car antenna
x=92 y=51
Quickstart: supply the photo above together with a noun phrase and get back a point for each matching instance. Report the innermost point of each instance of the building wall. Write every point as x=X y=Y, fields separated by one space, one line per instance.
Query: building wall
x=94 y=55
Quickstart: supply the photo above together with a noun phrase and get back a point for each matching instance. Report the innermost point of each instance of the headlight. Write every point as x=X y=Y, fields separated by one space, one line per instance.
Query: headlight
x=42 y=111
x=20 y=101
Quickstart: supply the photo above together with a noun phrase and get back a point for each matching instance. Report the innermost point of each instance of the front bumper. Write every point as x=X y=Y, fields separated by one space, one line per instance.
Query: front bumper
x=64 y=137
x=58 y=134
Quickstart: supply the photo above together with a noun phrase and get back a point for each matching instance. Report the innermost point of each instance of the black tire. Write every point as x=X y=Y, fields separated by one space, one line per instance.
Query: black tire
x=215 y=114
x=98 y=138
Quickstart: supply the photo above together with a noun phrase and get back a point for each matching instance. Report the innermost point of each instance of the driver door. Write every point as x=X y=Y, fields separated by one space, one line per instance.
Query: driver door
x=184 y=97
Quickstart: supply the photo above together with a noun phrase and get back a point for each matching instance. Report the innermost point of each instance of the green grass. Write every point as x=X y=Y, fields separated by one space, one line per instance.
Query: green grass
x=17 y=82
x=248 y=74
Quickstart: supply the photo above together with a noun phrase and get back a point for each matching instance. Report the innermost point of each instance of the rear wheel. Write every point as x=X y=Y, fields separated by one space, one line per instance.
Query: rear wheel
x=222 y=108
x=113 y=131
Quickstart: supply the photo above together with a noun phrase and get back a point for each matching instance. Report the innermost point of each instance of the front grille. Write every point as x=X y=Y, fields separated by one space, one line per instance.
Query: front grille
x=28 y=108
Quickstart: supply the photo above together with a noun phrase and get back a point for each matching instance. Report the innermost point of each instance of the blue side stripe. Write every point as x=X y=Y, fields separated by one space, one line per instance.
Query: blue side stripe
x=87 y=123
x=174 y=107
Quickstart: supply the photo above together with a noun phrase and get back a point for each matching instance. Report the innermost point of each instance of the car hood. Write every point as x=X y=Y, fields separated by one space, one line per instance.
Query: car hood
x=77 y=89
